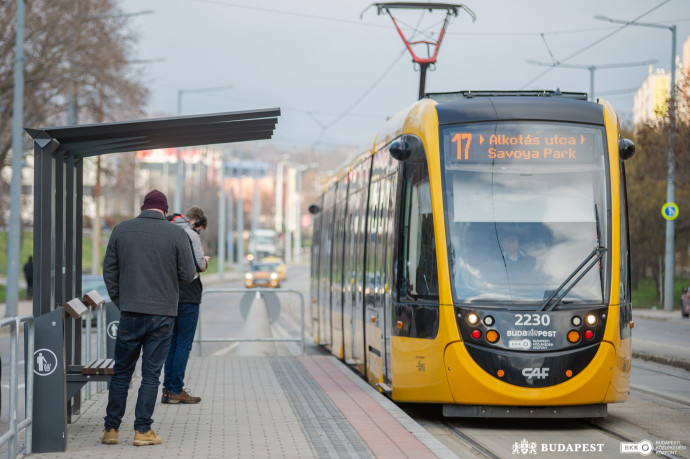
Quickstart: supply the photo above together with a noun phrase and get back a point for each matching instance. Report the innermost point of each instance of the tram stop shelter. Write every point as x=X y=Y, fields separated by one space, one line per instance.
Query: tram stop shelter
x=58 y=215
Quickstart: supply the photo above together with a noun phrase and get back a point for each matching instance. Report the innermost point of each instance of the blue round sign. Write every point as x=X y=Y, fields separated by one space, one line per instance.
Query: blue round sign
x=669 y=211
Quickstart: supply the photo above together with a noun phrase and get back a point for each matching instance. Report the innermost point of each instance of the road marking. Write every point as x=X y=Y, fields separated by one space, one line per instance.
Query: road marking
x=226 y=350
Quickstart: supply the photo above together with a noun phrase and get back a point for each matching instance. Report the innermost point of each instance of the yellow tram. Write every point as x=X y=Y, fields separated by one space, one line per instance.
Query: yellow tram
x=477 y=256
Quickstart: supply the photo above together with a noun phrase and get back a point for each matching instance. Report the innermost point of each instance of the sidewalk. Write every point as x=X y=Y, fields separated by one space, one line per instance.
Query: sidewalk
x=294 y=407
x=660 y=314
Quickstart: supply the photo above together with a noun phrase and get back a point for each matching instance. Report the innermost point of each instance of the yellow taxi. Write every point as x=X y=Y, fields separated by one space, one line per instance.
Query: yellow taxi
x=282 y=267
x=262 y=275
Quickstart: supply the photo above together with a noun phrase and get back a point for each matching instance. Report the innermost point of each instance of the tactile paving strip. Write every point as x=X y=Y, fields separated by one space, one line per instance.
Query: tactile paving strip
x=328 y=431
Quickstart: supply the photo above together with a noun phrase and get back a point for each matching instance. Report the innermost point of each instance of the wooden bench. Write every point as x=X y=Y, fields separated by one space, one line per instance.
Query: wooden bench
x=99 y=367
x=97 y=370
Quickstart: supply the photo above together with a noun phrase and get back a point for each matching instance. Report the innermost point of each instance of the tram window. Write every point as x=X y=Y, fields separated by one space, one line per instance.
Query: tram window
x=420 y=273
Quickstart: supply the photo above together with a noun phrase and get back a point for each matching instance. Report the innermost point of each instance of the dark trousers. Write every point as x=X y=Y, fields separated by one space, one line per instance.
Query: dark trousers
x=180 y=346
x=138 y=333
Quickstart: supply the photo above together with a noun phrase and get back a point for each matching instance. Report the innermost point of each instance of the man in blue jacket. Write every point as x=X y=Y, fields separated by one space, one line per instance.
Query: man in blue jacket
x=145 y=261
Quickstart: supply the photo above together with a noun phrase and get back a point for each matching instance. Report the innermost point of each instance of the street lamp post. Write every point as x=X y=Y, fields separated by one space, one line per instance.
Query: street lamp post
x=177 y=202
x=670 y=262
x=14 y=239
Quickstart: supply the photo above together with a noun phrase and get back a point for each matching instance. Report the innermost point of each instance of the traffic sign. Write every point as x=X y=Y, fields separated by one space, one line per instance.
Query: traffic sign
x=669 y=211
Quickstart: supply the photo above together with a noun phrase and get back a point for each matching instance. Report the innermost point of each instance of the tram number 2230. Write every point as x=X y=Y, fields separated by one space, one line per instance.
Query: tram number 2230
x=533 y=320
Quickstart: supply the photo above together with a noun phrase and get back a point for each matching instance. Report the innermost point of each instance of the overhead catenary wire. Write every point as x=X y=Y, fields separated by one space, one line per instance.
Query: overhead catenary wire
x=591 y=45
x=361 y=98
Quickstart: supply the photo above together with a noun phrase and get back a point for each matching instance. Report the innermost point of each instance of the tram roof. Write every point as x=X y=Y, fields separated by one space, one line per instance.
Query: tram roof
x=181 y=131
x=470 y=106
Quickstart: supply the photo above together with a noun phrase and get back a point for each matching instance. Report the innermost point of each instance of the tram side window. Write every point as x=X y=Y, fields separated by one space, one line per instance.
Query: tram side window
x=419 y=272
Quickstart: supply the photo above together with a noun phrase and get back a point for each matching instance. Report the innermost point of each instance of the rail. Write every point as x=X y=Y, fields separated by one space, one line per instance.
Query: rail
x=14 y=428
x=258 y=291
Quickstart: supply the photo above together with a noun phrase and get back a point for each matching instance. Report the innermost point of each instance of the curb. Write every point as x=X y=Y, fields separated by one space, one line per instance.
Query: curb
x=663 y=359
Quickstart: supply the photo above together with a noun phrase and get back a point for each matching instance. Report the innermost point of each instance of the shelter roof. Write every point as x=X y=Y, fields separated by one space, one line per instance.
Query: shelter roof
x=181 y=131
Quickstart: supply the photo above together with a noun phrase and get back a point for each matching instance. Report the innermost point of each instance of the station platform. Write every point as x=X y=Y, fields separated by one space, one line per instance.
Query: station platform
x=282 y=406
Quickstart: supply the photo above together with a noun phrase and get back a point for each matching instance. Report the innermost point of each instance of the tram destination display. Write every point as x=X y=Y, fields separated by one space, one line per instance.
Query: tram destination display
x=514 y=142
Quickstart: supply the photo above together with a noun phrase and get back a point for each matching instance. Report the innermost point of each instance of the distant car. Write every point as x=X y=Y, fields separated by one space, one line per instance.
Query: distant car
x=262 y=275
x=94 y=282
x=282 y=267
x=685 y=302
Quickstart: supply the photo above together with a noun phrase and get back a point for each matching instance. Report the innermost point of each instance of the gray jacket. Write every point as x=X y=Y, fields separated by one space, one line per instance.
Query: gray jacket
x=144 y=263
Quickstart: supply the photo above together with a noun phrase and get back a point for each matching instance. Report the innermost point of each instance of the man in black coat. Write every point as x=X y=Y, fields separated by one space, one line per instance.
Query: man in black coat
x=145 y=261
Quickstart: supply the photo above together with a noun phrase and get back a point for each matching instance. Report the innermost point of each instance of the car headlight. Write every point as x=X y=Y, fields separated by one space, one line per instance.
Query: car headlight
x=274 y=276
x=248 y=276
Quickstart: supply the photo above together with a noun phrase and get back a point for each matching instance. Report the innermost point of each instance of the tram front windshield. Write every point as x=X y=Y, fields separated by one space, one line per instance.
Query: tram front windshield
x=525 y=205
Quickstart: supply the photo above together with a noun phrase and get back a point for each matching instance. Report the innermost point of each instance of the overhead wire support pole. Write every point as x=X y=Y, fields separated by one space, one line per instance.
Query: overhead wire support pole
x=669 y=259
x=424 y=63
x=591 y=69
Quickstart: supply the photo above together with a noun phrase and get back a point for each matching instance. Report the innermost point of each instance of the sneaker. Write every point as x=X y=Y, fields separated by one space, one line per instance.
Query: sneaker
x=109 y=437
x=183 y=397
x=166 y=396
x=146 y=439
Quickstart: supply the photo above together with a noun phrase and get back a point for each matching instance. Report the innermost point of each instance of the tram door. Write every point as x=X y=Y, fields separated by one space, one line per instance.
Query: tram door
x=379 y=268
x=389 y=242
x=372 y=318
x=325 y=269
x=353 y=307
x=337 y=271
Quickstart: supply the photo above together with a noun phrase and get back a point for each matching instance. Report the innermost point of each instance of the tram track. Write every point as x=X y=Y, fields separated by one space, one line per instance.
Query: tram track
x=481 y=450
x=478 y=447
x=625 y=438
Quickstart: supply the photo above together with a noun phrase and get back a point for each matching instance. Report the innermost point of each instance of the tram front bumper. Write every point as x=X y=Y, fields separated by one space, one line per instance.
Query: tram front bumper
x=472 y=385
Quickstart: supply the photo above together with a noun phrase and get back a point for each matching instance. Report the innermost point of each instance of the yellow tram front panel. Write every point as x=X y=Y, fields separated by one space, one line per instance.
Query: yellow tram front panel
x=472 y=385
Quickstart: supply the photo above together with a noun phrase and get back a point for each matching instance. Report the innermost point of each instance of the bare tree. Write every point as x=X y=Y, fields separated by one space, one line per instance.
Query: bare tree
x=76 y=52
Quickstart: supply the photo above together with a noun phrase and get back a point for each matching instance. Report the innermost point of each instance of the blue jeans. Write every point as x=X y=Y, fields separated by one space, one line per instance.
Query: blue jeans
x=138 y=333
x=180 y=346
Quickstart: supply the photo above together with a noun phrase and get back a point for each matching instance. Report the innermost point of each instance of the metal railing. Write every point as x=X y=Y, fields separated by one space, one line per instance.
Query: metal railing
x=101 y=344
x=259 y=291
x=14 y=428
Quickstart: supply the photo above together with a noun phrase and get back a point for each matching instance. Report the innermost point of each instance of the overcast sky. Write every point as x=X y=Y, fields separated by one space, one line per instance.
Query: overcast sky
x=337 y=77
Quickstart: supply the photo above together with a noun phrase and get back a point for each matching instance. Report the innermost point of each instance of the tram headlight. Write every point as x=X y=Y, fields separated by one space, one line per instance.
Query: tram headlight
x=472 y=318
x=489 y=321
x=576 y=321
x=591 y=319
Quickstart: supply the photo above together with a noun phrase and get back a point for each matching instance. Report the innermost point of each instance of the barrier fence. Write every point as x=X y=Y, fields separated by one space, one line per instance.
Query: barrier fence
x=273 y=308
x=14 y=427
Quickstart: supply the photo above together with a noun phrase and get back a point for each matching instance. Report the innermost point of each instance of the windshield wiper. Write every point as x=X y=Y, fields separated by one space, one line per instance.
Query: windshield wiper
x=547 y=305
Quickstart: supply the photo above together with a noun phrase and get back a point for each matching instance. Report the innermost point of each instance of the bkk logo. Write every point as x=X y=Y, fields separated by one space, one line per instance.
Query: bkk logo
x=643 y=447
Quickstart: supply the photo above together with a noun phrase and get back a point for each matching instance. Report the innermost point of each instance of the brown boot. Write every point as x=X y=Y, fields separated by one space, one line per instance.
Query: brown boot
x=183 y=397
x=109 y=437
x=146 y=439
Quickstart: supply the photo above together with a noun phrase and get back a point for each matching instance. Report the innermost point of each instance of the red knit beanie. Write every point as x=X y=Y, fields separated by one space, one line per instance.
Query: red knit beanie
x=155 y=200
